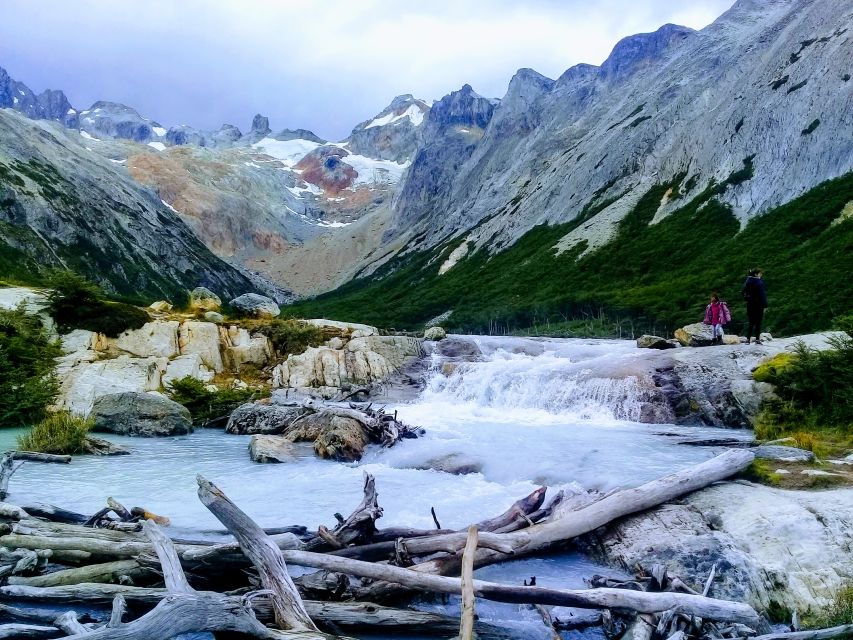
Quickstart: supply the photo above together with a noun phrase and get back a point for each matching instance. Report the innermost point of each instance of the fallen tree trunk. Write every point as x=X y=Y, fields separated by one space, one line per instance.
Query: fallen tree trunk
x=831 y=633
x=602 y=598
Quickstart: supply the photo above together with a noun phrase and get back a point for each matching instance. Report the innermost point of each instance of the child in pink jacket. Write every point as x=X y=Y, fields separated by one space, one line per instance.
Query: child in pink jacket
x=717 y=314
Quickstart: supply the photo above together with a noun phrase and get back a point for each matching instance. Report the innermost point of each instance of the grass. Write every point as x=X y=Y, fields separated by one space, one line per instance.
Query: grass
x=287 y=335
x=59 y=433
x=657 y=275
x=838 y=612
x=209 y=408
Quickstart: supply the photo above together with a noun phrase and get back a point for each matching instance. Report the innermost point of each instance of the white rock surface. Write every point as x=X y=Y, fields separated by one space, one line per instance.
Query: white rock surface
x=201 y=338
x=158 y=339
x=89 y=380
x=188 y=365
x=77 y=340
x=32 y=302
x=344 y=328
x=242 y=348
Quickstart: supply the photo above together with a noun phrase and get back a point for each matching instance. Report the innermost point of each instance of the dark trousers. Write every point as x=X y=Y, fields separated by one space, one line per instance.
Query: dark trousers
x=755 y=315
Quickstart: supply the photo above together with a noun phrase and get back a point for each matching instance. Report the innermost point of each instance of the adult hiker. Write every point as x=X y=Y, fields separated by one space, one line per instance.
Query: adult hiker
x=755 y=294
x=717 y=314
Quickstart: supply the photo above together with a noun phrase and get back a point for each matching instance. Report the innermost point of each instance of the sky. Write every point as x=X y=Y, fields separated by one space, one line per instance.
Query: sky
x=324 y=65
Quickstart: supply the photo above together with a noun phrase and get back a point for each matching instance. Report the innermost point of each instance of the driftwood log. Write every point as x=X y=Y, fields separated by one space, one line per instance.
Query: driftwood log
x=385 y=562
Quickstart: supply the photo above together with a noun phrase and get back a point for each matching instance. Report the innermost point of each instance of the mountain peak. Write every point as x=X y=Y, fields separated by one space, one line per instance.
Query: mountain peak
x=260 y=124
x=632 y=52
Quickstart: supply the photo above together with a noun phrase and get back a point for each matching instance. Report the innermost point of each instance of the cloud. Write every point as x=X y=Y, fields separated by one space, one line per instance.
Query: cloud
x=319 y=65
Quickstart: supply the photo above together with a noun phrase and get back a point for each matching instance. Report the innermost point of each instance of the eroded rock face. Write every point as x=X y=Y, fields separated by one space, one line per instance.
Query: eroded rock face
x=190 y=365
x=158 y=339
x=241 y=348
x=771 y=546
x=201 y=338
x=140 y=414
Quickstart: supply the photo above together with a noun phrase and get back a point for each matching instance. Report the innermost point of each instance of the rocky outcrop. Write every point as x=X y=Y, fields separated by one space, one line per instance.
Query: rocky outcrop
x=239 y=348
x=201 y=338
x=774 y=548
x=346 y=364
x=140 y=414
x=158 y=339
x=255 y=305
x=190 y=365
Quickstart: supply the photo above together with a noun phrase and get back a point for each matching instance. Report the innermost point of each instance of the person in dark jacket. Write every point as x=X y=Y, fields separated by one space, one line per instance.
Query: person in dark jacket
x=755 y=294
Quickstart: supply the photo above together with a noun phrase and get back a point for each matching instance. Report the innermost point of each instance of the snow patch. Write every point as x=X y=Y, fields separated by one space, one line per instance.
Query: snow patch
x=313 y=189
x=15 y=100
x=372 y=171
x=455 y=256
x=333 y=225
x=413 y=113
x=169 y=207
x=160 y=131
x=157 y=145
x=288 y=151
x=70 y=112
x=118 y=161
x=85 y=134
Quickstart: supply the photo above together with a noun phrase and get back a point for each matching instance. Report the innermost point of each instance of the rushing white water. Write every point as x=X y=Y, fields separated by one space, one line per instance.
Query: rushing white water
x=530 y=412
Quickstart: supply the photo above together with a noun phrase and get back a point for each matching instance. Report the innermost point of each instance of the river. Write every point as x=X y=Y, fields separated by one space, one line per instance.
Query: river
x=530 y=412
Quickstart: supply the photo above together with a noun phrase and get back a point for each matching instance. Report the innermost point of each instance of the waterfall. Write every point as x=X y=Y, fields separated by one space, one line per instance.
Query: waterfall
x=566 y=378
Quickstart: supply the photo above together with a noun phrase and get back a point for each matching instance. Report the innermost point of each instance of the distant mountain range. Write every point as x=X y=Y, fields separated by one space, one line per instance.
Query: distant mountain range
x=750 y=113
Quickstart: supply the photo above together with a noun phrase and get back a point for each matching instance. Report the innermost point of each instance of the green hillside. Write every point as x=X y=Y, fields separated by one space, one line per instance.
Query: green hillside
x=657 y=275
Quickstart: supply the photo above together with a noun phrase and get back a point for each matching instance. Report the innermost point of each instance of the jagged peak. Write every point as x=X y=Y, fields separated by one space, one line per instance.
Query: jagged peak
x=260 y=124
x=632 y=51
x=298 y=134
x=529 y=79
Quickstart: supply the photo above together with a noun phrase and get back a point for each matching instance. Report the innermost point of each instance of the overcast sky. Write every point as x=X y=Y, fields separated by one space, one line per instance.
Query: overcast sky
x=323 y=65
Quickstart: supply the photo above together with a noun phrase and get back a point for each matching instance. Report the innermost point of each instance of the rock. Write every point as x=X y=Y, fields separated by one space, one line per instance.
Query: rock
x=201 y=338
x=140 y=414
x=100 y=447
x=78 y=340
x=161 y=306
x=335 y=437
x=255 y=305
x=654 y=342
x=751 y=395
x=731 y=339
x=214 y=316
x=783 y=454
x=695 y=335
x=435 y=334
x=335 y=343
x=241 y=348
x=190 y=365
x=87 y=379
x=459 y=464
x=462 y=349
x=766 y=337
x=259 y=418
x=204 y=299
x=158 y=339
x=267 y=448
x=788 y=548
x=333 y=328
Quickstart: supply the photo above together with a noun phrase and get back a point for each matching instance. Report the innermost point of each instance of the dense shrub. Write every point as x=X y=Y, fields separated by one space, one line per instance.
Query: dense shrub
x=76 y=303
x=209 y=408
x=60 y=433
x=290 y=336
x=27 y=381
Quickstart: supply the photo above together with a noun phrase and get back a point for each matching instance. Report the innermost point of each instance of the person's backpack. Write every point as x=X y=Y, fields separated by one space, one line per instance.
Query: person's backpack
x=726 y=314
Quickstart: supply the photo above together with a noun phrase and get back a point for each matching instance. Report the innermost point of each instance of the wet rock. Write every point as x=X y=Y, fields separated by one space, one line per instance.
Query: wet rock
x=695 y=335
x=100 y=447
x=783 y=454
x=256 y=306
x=459 y=464
x=269 y=448
x=463 y=349
x=204 y=299
x=260 y=418
x=140 y=414
x=334 y=437
x=435 y=333
x=655 y=342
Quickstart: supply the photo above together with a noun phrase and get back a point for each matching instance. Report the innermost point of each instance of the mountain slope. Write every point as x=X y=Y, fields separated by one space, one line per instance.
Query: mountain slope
x=64 y=206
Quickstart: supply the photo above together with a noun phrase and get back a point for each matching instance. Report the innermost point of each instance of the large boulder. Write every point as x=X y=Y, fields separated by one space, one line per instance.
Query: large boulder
x=267 y=448
x=255 y=305
x=140 y=414
x=655 y=342
x=257 y=417
x=201 y=338
x=459 y=349
x=695 y=335
x=203 y=299
x=84 y=378
x=781 y=453
x=158 y=339
x=334 y=437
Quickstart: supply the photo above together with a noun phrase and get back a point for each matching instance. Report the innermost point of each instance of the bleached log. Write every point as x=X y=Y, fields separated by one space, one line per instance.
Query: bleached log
x=264 y=554
x=103 y=572
x=466 y=626
x=831 y=633
x=117 y=612
x=28 y=632
x=69 y=623
x=604 y=598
